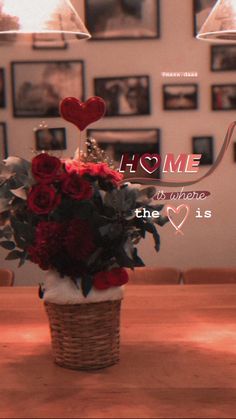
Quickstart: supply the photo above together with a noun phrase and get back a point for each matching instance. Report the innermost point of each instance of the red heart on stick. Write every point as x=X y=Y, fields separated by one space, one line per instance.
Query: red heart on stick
x=80 y=113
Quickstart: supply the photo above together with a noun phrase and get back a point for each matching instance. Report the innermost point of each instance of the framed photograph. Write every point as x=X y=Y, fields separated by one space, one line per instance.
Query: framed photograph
x=179 y=97
x=201 y=11
x=123 y=19
x=49 y=41
x=124 y=96
x=2 y=88
x=3 y=141
x=50 y=139
x=39 y=86
x=223 y=58
x=223 y=97
x=204 y=146
x=116 y=142
x=8 y=39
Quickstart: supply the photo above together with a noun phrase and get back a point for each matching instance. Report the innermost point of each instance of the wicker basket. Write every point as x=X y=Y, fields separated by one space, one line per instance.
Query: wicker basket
x=85 y=336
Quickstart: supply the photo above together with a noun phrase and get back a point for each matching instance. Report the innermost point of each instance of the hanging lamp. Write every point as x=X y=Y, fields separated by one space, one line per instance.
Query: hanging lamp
x=21 y=17
x=220 y=25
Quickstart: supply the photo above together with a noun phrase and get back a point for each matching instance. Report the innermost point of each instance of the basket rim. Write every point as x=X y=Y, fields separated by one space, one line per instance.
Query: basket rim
x=82 y=304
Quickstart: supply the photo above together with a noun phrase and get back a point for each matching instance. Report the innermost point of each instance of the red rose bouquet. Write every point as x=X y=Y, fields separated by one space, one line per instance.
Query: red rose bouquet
x=75 y=217
x=72 y=217
x=78 y=221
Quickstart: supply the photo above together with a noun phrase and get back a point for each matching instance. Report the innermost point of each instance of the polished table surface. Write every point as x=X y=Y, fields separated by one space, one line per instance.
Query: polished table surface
x=178 y=358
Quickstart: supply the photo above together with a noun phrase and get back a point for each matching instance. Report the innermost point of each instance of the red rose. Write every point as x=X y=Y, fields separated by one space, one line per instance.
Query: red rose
x=89 y=169
x=72 y=166
x=76 y=187
x=43 y=199
x=100 y=281
x=45 y=168
x=49 y=231
x=39 y=257
x=113 y=278
x=105 y=172
x=80 y=167
x=117 y=277
x=94 y=169
x=78 y=240
x=47 y=244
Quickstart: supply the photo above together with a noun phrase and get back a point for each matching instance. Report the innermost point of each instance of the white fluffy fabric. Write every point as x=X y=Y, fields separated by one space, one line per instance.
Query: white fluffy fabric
x=64 y=291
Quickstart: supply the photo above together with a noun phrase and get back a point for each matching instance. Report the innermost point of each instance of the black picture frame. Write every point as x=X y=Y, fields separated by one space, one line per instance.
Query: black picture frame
x=123 y=20
x=204 y=145
x=43 y=41
x=223 y=58
x=124 y=96
x=2 y=88
x=180 y=97
x=50 y=139
x=36 y=91
x=201 y=11
x=223 y=97
x=3 y=141
x=116 y=142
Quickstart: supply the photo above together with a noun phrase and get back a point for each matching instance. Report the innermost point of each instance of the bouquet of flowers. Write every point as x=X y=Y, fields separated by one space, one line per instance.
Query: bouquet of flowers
x=77 y=220
x=73 y=216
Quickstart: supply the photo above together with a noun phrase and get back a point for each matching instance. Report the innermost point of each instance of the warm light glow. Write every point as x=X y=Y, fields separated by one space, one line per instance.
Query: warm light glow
x=32 y=16
x=221 y=23
x=31 y=332
x=214 y=337
x=37 y=16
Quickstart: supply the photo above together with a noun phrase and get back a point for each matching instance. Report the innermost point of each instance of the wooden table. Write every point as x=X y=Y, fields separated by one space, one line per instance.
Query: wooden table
x=178 y=358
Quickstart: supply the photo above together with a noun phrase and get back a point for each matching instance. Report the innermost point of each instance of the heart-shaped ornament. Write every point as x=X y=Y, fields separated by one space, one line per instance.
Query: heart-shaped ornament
x=146 y=162
x=181 y=208
x=80 y=113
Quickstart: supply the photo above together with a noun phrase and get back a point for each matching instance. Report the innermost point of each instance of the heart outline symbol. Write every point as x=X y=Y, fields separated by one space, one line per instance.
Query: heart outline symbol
x=80 y=113
x=177 y=211
x=146 y=166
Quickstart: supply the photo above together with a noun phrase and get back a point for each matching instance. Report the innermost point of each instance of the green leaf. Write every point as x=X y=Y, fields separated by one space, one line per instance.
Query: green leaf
x=150 y=228
x=7 y=232
x=9 y=245
x=4 y=204
x=92 y=259
x=5 y=172
x=14 y=183
x=104 y=230
x=15 y=254
x=20 y=193
x=86 y=284
x=146 y=193
x=123 y=259
x=162 y=220
x=17 y=165
x=85 y=210
x=122 y=200
x=20 y=241
x=22 y=261
x=138 y=261
x=22 y=230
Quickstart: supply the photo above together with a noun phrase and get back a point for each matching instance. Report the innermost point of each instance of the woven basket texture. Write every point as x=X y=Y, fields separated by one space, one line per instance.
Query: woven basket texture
x=85 y=336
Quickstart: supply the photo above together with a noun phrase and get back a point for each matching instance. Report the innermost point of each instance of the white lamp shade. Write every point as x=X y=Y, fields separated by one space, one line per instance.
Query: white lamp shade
x=40 y=16
x=220 y=25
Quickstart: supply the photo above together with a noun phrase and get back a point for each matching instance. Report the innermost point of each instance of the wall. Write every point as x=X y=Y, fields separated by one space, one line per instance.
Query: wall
x=205 y=242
